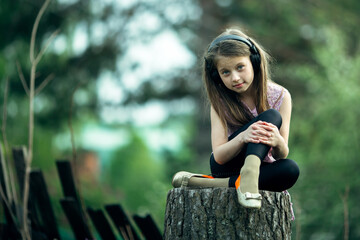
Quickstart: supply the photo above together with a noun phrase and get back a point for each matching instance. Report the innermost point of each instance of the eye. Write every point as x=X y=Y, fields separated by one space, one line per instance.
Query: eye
x=225 y=72
x=240 y=67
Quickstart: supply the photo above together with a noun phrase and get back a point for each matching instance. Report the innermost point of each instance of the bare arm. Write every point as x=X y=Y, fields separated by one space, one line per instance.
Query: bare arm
x=223 y=149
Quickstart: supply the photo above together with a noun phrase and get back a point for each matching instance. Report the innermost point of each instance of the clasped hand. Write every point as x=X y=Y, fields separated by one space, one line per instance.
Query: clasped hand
x=262 y=132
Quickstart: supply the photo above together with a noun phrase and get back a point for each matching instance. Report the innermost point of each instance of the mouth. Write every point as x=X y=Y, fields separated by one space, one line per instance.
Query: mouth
x=239 y=85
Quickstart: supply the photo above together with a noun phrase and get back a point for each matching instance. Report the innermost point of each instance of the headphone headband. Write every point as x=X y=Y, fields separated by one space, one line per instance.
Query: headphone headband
x=255 y=57
x=234 y=37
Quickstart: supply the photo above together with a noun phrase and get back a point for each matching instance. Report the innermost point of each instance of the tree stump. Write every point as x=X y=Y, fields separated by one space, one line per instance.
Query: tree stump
x=214 y=213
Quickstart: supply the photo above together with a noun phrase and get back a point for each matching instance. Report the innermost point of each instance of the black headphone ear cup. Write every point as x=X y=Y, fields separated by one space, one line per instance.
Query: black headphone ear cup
x=215 y=75
x=212 y=71
x=255 y=61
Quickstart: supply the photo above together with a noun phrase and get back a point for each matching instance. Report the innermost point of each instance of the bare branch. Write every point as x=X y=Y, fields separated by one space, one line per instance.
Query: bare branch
x=3 y=127
x=44 y=83
x=297 y=221
x=7 y=171
x=344 y=199
x=6 y=198
x=11 y=192
x=34 y=30
x=47 y=44
x=129 y=231
x=28 y=161
x=124 y=233
x=22 y=78
x=3 y=130
x=72 y=135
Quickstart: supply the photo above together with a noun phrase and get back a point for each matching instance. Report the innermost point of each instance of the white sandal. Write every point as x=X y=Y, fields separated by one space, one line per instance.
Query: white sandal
x=181 y=179
x=249 y=200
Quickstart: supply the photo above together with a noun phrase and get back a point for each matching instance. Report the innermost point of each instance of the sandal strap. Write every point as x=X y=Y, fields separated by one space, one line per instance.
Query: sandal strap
x=252 y=196
x=186 y=177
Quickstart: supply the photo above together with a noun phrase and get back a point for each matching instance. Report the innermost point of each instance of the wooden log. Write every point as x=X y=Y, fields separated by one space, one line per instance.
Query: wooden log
x=148 y=227
x=75 y=217
x=41 y=196
x=101 y=224
x=121 y=221
x=214 y=213
x=71 y=204
x=67 y=179
x=19 y=155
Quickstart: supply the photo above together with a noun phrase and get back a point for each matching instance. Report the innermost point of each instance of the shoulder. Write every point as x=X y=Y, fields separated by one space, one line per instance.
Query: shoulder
x=276 y=94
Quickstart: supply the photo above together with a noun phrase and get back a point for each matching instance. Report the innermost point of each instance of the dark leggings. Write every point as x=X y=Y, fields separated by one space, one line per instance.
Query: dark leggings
x=277 y=176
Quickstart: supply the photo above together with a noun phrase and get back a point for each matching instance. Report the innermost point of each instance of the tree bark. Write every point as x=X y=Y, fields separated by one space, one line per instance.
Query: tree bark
x=214 y=213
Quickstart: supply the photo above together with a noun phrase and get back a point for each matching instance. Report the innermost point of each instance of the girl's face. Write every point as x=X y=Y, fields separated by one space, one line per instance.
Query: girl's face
x=236 y=73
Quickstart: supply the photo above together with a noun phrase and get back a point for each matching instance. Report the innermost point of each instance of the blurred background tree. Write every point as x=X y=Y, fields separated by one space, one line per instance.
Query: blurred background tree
x=139 y=112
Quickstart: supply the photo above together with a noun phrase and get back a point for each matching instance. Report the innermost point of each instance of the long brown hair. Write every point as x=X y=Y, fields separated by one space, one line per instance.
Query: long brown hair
x=225 y=102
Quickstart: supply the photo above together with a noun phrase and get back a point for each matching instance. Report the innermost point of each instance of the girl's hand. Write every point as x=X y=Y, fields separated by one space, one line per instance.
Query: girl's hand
x=273 y=137
x=256 y=133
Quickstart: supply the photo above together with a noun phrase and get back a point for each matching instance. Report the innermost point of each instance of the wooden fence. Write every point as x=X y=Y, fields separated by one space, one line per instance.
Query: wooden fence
x=42 y=217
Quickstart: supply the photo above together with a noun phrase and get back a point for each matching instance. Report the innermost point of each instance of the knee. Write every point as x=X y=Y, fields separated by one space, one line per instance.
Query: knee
x=272 y=116
x=294 y=169
x=293 y=172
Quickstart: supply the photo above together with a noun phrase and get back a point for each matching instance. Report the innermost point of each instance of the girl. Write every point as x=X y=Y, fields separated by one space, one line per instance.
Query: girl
x=250 y=120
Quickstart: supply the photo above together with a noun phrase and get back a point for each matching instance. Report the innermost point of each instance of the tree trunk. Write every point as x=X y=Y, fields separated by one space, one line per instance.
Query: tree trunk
x=214 y=213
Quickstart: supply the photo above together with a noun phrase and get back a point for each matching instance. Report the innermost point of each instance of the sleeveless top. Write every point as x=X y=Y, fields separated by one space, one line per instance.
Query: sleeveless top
x=275 y=96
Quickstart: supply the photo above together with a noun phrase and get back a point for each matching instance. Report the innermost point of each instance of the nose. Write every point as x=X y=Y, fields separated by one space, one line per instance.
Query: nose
x=235 y=76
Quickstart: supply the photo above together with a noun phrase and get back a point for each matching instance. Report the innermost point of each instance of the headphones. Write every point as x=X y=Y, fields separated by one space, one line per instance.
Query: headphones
x=255 y=57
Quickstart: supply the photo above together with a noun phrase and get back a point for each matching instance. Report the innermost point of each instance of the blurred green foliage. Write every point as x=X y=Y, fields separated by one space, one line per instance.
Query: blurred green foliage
x=138 y=177
x=325 y=139
x=316 y=49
